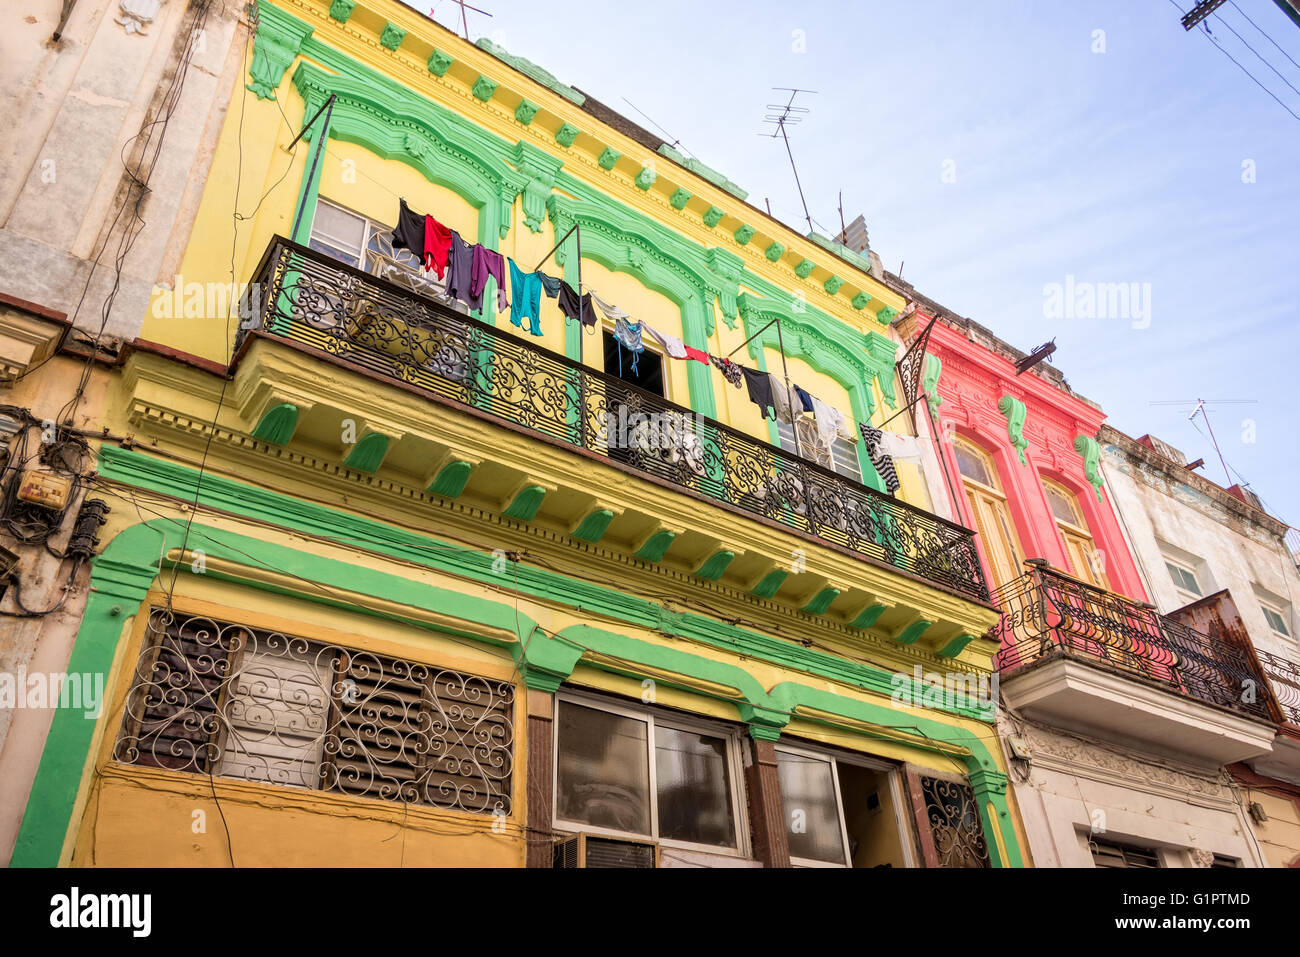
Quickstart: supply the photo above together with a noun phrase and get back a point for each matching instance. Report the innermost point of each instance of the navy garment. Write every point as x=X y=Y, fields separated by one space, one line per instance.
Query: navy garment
x=460 y=272
x=550 y=285
x=570 y=304
x=759 y=385
x=805 y=398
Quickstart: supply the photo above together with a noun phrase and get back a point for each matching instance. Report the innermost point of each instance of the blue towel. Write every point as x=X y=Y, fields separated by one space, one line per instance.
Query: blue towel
x=525 y=299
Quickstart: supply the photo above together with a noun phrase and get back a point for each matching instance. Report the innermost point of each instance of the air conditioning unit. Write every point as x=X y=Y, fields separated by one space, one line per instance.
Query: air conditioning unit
x=591 y=850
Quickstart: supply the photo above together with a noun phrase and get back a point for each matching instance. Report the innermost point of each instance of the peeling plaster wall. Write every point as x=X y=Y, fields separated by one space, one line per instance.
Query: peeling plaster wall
x=82 y=101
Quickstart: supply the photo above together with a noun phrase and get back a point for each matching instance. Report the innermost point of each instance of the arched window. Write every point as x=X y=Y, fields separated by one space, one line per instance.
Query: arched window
x=1085 y=561
x=992 y=517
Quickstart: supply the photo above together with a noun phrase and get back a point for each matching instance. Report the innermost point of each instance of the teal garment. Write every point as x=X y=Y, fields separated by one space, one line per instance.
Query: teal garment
x=525 y=299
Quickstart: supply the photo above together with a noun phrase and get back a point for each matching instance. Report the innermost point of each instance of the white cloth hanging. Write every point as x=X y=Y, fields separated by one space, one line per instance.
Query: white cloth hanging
x=671 y=344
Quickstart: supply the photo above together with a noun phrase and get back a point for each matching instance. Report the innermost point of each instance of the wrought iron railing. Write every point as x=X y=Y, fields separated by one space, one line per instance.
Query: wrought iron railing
x=1046 y=613
x=318 y=302
x=1284 y=675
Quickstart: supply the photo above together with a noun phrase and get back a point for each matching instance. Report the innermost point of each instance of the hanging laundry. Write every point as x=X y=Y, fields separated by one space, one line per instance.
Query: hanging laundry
x=696 y=354
x=904 y=447
x=884 y=465
x=410 y=230
x=488 y=262
x=628 y=335
x=459 y=270
x=671 y=344
x=575 y=308
x=805 y=398
x=730 y=371
x=437 y=245
x=526 y=298
x=612 y=313
x=788 y=404
x=550 y=284
x=759 y=386
x=829 y=421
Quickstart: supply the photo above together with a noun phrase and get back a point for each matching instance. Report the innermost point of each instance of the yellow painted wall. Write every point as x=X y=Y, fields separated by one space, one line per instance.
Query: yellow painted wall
x=1279 y=836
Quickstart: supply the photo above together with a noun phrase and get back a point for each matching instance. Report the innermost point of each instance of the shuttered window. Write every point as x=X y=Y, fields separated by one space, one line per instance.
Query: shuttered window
x=238 y=702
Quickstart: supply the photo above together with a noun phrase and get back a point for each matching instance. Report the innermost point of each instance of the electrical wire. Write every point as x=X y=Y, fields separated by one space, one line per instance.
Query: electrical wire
x=1266 y=36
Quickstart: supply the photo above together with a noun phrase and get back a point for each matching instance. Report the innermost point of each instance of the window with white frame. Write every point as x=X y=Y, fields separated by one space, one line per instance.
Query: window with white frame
x=367 y=244
x=841 y=457
x=842 y=812
x=646 y=774
x=1185 y=580
x=1278 y=619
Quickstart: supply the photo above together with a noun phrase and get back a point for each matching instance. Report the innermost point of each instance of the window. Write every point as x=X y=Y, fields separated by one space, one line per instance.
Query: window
x=842 y=812
x=225 y=699
x=645 y=774
x=1276 y=621
x=649 y=372
x=842 y=456
x=1109 y=854
x=973 y=465
x=989 y=508
x=367 y=244
x=1085 y=562
x=954 y=823
x=1184 y=579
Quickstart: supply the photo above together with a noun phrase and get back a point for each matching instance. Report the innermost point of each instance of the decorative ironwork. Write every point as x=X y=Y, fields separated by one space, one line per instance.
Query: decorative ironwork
x=1284 y=676
x=218 y=698
x=377 y=325
x=912 y=366
x=1048 y=613
x=954 y=823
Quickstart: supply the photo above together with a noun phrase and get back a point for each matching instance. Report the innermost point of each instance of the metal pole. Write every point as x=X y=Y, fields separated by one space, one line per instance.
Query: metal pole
x=749 y=340
x=328 y=103
x=794 y=428
x=311 y=177
x=943 y=462
x=578 y=241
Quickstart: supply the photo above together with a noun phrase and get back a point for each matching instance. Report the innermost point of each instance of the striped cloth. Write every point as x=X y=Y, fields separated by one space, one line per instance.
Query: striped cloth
x=883 y=463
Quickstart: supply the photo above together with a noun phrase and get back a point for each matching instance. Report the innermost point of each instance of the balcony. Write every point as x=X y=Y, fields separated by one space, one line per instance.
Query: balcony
x=406 y=336
x=1284 y=676
x=1087 y=659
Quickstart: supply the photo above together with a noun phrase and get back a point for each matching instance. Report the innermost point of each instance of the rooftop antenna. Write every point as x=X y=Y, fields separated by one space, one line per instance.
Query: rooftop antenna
x=780 y=116
x=1200 y=410
x=464 y=19
x=675 y=144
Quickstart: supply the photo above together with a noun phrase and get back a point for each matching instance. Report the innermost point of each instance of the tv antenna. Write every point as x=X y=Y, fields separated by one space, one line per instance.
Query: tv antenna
x=780 y=116
x=464 y=18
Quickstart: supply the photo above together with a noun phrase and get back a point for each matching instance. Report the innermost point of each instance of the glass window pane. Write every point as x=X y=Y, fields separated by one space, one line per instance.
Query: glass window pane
x=1276 y=622
x=339 y=227
x=971 y=465
x=333 y=252
x=1062 y=507
x=694 y=785
x=812 y=815
x=602 y=766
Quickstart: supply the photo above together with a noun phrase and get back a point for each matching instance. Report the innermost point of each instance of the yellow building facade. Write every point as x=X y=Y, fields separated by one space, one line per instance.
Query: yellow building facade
x=379 y=586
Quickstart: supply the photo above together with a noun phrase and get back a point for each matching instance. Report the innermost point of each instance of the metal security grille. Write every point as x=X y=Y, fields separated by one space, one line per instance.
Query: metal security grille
x=219 y=698
x=954 y=823
x=304 y=296
x=1122 y=855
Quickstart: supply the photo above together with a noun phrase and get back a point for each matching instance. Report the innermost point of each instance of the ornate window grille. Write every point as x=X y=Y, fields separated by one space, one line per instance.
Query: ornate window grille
x=213 y=697
x=954 y=821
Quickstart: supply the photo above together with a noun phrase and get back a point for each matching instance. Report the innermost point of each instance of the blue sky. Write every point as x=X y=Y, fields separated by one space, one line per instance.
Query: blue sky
x=1122 y=166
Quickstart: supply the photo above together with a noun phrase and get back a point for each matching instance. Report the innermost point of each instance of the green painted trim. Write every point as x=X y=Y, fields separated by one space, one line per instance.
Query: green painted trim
x=743 y=235
x=833 y=284
x=277 y=424
x=910 y=634
x=440 y=62
x=930 y=381
x=451 y=478
x=484 y=87
x=182 y=483
x=566 y=134
x=955 y=647
x=886 y=314
x=770 y=584
x=805 y=268
x=868 y=616
x=608 y=158
x=844 y=252
x=525 y=504
x=712 y=216
x=525 y=111
x=715 y=565
x=646 y=178
x=679 y=198
x=368 y=454
x=1014 y=412
x=656 y=546
x=531 y=70
x=592 y=528
x=860 y=301
x=276 y=44
x=392 y=36
x=774 y=252
x=1087 y=447
x=821 y=601
x=341 y=10
x=702 y=171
